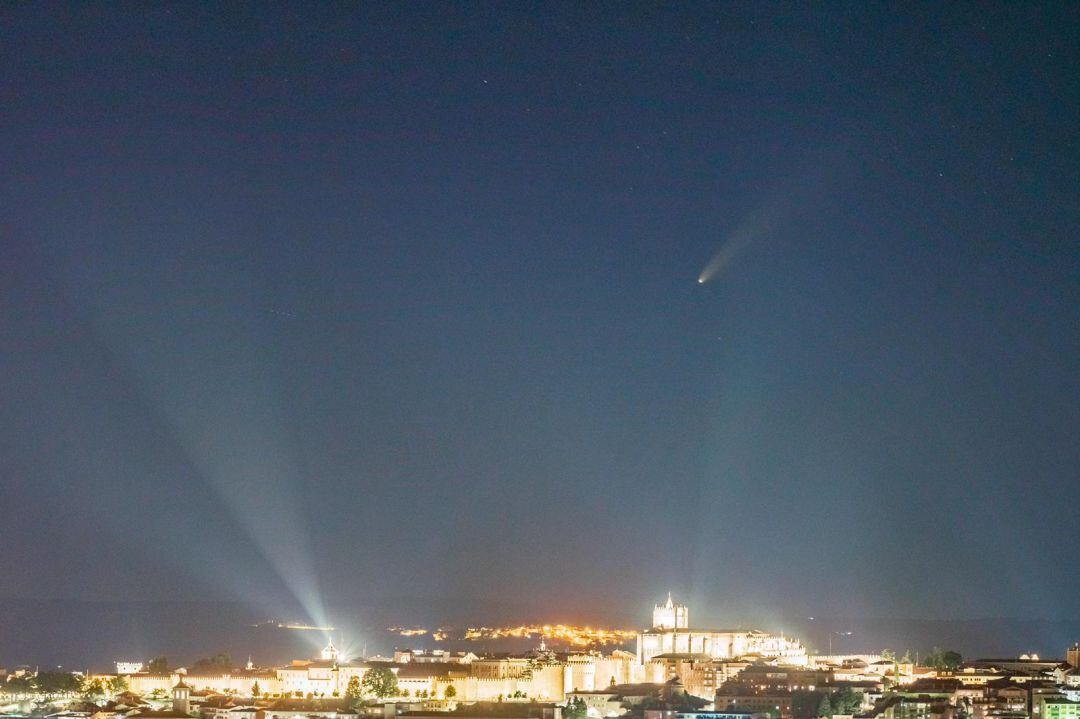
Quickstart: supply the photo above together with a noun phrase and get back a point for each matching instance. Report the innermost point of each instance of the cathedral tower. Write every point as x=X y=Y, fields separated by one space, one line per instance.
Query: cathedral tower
x=670 y=615
x=330 y=653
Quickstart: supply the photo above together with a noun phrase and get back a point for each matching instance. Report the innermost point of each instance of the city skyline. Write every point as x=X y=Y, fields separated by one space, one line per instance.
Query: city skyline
x=735 y=670
x=95 y=635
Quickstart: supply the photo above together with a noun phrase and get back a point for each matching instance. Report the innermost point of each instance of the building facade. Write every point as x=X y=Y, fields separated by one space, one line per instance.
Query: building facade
x=671 y=634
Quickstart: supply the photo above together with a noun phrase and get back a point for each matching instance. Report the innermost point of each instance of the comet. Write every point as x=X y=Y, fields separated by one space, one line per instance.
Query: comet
x=732 y=247
x=790 y=198
x=759 y=223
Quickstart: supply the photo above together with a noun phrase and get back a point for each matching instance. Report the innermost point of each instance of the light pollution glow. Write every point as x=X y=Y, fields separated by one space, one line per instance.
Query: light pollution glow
x=572 y=635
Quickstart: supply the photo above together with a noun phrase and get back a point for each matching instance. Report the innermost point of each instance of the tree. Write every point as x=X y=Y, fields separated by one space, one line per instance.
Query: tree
x=806 y=703
x=18 y=685
x=57 y=683
x=220 y=661
x=824 y=708
x=379 y=682
x=450 y=692
x=944 y=660
x=846 y=701
x=255 y=690
x=117 y=685
x=158 y=665
x=575 y=709
x=93 y=689
x=353 y=692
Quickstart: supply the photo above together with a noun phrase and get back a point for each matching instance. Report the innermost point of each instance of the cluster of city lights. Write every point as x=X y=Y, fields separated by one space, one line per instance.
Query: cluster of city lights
x=564 y=633
x=576 y=636
x=440 y=635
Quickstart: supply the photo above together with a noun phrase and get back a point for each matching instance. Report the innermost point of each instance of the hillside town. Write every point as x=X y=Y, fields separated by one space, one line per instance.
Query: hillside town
x=676 y=672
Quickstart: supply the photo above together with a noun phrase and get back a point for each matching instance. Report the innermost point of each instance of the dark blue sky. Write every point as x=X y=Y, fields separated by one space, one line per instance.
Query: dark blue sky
x=311 y=302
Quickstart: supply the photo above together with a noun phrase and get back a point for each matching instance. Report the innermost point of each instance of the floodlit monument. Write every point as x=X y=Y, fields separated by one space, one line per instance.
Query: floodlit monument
x=671 y=634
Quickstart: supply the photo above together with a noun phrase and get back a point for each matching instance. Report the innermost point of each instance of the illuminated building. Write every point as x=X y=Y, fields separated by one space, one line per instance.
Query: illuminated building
x=671 y=615
x=181 y=697
x=776 y=705
x=699 y=674
x=763 y=678
x=181 y=704
x=319 y=679
x=675 y=714
x=291 y=710
x=539 y=676
x=545 y=677
x=1072 y=656
x=783 y=691
x=700 y=659
x=671 y=634
x=434 y=656
x=914 y=707
x=592 y=670
x=1041 y=695
x=974 y=676
x=496 y=710
x=1028 y=665
x=235 y=681
x=616 y=700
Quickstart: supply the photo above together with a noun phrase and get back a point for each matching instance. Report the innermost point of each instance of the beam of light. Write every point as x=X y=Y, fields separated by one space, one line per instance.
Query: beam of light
x=349 y=649
x=305 y=628
x=199 y=344
x=293 y=625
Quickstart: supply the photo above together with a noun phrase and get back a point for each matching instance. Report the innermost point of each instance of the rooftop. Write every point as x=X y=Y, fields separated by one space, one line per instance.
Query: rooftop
x=496 y=710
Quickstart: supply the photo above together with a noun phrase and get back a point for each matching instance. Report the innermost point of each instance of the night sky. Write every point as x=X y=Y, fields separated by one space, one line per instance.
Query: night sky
x=319 y=305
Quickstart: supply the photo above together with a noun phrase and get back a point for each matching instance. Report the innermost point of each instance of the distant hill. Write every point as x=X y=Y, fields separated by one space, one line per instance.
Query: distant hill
x=87 y=634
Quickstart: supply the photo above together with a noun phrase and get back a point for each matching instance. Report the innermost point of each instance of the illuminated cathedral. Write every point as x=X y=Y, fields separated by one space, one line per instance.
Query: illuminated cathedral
x=671 y=634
